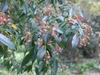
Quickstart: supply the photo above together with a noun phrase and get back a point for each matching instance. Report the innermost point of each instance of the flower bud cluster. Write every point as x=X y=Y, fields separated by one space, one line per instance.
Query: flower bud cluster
x=46 y=56
x=4 y=18
x=84 y=40
x=26 y=37
x=47 y=9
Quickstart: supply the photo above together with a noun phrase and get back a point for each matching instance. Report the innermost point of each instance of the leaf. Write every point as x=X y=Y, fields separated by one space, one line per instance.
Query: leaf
x=59 y=31
x=6 y=41
x=34 y=53
x=54 y=67
x=28 y=68
x=47 y=1
x=81 y=31
x=32 y=21
x=45 y=18
x=46 y=37
x=4 y=5
x=14 y=26
x=25 y=7
x=52 y=47
x=41 y=67
x=26 y=59
x=71 y=12
x=75 y=40
x=80 y=13
x=15 y=4
x=60 y=17
x=41 y=52
x=1 y=50
x=58 y=40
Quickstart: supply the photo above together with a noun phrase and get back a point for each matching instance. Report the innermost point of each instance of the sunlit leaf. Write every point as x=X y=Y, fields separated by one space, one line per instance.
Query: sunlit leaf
x=60 y=17
x=4 y=5
x=59 y=31
x=14 y=26
x=75 y=40
x=81 y=13
x=6 y=41
x=71 y=12
x=45 y=18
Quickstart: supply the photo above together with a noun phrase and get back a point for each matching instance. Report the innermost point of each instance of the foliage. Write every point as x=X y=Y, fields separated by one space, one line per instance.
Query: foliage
x=39 y=30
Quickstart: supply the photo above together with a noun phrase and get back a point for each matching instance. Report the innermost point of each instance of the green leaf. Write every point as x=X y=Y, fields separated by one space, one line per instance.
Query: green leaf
x=52 y=47
x=75 y=40
x=80 y=13
x=71 y=12
x=15 y=4
x=25 y=7
x=45 y=18
x=41 y=67
x=37 y=70
x=41 y=52
x=4 y=5
x=58 y=40
x=46 y=37
x=54 y=67
x=28 y=68
x=59 y=31
x=1 y=49
x=6 y=41
x=47 y=1
x=26 y=59
x=34 y=54
x=60 y=17
x=81 y=31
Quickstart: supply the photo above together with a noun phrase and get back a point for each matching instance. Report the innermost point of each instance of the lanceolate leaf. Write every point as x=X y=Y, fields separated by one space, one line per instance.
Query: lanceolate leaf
x=54 y=67
x=60 y=17
x=41 y=52
x=59 y=31
x=75 y=40
x=45 y=18
x=46 y=37
x=81 y=31
x=6 y=41
x=71 y=12
x=26 y=59
x=4 y=5
x=81 y=13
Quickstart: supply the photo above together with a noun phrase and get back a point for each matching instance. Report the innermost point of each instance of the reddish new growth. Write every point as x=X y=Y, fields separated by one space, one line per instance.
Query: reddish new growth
x=83 y=40
x=57 y=48
x=75 y=19
x=51 y=29
x=4 y=18
x=45 y=28
x=39 y=42
x=46 y=56
x=47 y=9
x=26 y=37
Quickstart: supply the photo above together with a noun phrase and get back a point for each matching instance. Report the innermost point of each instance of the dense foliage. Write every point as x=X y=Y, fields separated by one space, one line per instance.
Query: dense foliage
x=39 y=30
